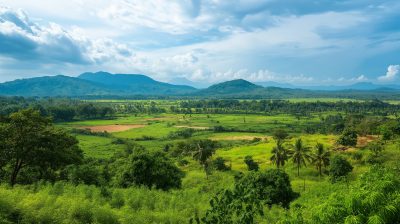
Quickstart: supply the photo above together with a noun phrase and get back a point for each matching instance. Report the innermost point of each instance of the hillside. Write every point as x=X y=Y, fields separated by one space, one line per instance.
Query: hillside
x=53 y=85
x=229 y=87
x=117 y=79
x=70 y=86
x=129 y=80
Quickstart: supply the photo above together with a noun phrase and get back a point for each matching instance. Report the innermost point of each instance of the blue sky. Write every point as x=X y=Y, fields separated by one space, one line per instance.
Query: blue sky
x=319 y=42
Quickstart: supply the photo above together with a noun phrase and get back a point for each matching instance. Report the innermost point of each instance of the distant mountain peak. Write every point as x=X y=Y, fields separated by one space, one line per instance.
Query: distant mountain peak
x=231 y=87
x=117 y=79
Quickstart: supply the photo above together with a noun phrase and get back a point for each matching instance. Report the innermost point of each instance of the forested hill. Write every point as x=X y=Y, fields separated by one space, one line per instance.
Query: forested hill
x=123 y=79
x=230 y=87
x=70 y=86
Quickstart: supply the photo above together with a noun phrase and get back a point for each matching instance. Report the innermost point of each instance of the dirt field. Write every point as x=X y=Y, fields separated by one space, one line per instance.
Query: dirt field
x=243 y=137
x=363 y=141
x=194 y=127
x=112 y=128
x=154 y=119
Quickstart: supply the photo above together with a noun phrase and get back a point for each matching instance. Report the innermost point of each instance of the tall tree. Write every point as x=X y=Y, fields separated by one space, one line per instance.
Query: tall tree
x=28 y=140
x=348 y=137
x=203 y=151
x=300 y=154
x=280 y=134
x=320 y=156
x=280 y=154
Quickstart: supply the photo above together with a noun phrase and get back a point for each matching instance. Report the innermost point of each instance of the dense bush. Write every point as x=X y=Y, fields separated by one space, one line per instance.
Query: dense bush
x=272 y=186
x=338 y=169
x=373 y=199
x=150 y=169
x=87 y=131
x=251 y=165
x=219 y=164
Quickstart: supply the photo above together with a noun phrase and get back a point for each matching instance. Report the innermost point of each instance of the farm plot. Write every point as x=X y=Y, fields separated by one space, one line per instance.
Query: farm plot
x=113 y=128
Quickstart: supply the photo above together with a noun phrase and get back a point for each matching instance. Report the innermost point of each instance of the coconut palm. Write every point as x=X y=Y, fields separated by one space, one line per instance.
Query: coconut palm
x=299 y=154
x=203 y=153
x=280 y=154
x=320 y=156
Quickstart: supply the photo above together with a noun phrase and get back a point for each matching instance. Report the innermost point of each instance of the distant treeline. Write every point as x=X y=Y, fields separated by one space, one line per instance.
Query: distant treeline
x=375 y=107
x=61 y=109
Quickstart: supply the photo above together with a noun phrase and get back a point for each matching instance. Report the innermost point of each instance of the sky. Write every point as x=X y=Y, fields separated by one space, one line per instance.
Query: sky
x=305 y=43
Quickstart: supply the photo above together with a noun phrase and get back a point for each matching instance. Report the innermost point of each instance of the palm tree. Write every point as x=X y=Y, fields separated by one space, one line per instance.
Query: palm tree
x=280 y=154
x=320 y=157
x=202 y=154
x=299 y=154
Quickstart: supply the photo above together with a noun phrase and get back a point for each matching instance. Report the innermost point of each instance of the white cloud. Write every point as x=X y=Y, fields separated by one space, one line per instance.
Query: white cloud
x=362 y=78
x=391 y=74
x=261 y=76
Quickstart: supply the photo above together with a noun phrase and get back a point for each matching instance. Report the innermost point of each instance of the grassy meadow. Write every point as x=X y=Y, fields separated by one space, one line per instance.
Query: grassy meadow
x=46 y=203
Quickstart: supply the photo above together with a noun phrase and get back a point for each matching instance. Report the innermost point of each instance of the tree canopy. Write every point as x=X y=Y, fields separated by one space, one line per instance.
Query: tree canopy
x=28 y=140
x=150 y=169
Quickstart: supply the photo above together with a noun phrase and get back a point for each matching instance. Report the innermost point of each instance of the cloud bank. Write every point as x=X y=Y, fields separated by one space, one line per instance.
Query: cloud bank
x=391 y=74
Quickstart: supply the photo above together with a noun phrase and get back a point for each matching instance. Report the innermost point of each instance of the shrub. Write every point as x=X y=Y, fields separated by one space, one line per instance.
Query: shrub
x=280 y=134
x=272 y=186
x=338 y=169
x=348 y=137
x=151 y=169
x=219 y=164
x=251 y=165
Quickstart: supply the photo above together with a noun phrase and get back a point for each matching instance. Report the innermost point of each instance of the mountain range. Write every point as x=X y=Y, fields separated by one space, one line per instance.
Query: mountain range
x=358 y=86
x=100 y=83
x=103 y=83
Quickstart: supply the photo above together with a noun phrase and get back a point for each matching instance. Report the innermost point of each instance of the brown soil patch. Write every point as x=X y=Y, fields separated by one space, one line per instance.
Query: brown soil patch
x=363 y=141
x=113 y=128
x=184 y=119
x=155 y=119
x=243 y=137
x=194 y=127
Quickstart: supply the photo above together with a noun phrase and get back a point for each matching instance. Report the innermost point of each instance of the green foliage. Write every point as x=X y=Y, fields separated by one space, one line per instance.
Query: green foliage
x=280 y=154
x=150 y=169
x=219 y=164
x=272 y=186
x=182 y=162
x=238 y=176
x=203 y=150
x=385 y=132
x=239 y=205
x=29 y=142
x=374 y=199
x=338 y=169
x=320 y=156
x=376 y=148
x=348 y=137
x=300 y=154
x=280 y=134
x=87 y=131
x=251 y=165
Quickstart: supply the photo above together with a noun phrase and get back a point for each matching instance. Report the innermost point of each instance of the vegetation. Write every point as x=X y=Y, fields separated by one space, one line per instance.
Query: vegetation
x=320 y=157
x=299 y=154
x=155 y=172
x=251 y=165
x=338 y=169
x=280 y=154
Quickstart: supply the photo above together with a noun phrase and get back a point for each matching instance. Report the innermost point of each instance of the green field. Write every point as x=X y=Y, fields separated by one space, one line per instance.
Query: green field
x=237 y=133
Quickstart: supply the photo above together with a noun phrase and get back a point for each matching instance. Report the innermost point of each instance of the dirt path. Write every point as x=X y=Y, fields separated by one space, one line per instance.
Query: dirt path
x=113 y=128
